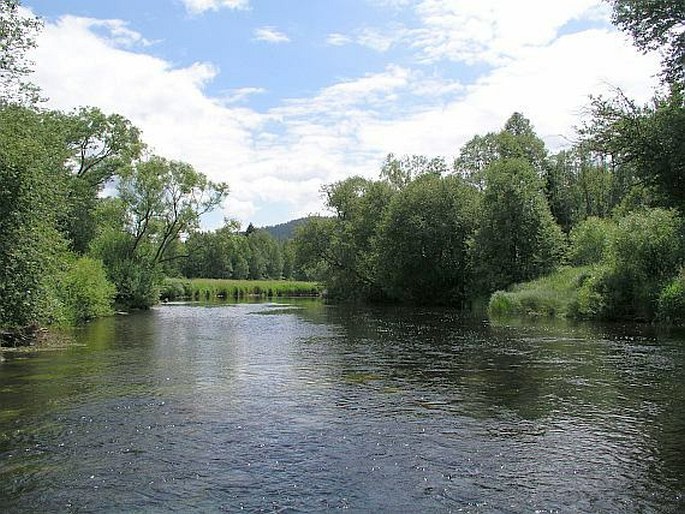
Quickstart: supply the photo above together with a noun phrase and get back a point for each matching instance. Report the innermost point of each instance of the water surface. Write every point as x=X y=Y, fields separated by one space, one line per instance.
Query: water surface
x=303 y=407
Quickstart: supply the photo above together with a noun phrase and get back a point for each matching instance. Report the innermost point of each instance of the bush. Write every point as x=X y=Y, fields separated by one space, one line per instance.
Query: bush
x=83 y=292
x=671 y=304
x=174 y=289
x=646 y=251
x=588 y=302
x=137 y=283
x=590 y=240
x=554 y=295
x=503 y=304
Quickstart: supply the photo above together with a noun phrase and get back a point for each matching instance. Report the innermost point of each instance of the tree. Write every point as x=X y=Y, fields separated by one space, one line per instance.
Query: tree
x=159 y=201
x=164 y=199
x=581 y=183
x=517 y=140
x=342 y=250
x=645 y=253
x=101 y=146
x=517 y=237
x=32 y=251
x=399 y=172
x=288 y=253
x=646 y=141
x=656 y=25
x=17 y=36
x=424 y=241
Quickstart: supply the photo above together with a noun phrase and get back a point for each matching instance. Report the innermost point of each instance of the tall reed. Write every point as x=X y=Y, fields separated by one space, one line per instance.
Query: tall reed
x=209 y=289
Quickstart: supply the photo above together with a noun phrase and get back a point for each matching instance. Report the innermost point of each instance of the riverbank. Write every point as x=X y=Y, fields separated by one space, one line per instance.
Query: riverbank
x=207 y=289
x=594 y=293
x=555 y=295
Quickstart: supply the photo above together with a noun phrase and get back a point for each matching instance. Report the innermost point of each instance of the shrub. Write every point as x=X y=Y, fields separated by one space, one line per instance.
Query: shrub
x=588 y=302
x=646 y=251
x=174 y=289
x=590 y=240
x=554 y=295
x=503 y=303
x=84 y=292
x=671 y=304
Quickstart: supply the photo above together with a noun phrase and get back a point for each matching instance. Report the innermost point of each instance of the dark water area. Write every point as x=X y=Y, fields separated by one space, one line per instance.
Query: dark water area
x=304 y=407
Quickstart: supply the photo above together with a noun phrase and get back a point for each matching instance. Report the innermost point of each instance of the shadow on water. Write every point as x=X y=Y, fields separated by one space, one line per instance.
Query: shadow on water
x=296 y=405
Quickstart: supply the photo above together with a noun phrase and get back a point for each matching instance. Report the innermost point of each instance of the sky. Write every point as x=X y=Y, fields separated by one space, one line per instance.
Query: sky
x=280 y=97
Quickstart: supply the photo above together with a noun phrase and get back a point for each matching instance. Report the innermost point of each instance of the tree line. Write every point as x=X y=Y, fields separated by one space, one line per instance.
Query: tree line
x=89 y=216
x=67 y=250
x=506 y=210
x=90 y=219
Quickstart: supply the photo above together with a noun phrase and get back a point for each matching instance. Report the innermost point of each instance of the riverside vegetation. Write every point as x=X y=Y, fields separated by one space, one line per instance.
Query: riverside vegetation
x=208 y=289
x=504 y=212
x=594 y=231
x=68 y=253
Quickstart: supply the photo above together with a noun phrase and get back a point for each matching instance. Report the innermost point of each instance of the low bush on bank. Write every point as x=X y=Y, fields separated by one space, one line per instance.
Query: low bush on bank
x=632 y=276
x=83 y=292
x=671 y=304
x=554 y=295
x=208 y=289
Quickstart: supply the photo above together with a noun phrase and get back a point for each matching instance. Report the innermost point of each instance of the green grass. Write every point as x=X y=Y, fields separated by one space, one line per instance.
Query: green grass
x=554 y=295
x=209 y=288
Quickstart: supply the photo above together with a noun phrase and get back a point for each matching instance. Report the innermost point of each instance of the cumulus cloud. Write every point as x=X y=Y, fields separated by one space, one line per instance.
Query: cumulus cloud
x=284 y=154
x=475 y=31
x=200 y=6
x=270 y=35
x=490 y=30
x=337 y=39
x=550 y=86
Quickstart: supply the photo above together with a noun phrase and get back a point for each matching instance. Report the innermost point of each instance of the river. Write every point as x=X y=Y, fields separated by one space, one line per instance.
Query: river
x=300 y=406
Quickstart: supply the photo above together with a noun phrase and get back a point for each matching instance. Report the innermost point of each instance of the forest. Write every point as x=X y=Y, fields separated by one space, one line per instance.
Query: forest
x=92 y=221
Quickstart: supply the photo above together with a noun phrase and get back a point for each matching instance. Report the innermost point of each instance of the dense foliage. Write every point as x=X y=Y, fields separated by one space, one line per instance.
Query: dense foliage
x=424 y=232
x=67 y=251
x=505 y=211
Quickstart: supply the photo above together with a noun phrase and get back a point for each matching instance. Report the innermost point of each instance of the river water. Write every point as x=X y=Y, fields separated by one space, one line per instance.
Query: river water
x=304 y=407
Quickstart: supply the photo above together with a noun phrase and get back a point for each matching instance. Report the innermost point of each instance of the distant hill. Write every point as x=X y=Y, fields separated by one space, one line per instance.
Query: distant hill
x=284 y=231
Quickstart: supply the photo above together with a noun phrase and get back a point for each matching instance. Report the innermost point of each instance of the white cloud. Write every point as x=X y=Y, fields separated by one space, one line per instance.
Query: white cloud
x=270 y=35
x=550 y=86
x=337 y=39
x=395 y=4
x=286 y=153
x=241 y=94
x=491 y=31
x=114 y=32
x=475 y=31
x=375 y=39
x=200 y=6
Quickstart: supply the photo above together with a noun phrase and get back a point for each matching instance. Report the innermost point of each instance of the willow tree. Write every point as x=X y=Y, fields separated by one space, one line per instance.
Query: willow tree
x=158 y=201
x=424 y=241
x=517 y=238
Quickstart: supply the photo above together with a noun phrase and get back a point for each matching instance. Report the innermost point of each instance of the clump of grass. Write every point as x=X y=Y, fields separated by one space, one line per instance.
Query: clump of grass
x=209 y=289
x=554 y=295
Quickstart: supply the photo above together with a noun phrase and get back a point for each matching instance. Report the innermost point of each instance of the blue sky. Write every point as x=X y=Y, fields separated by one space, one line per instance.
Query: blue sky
x=279 y=97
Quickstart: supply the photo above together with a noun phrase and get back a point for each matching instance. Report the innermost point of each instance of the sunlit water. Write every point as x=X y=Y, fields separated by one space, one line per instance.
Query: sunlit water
x=302 y=407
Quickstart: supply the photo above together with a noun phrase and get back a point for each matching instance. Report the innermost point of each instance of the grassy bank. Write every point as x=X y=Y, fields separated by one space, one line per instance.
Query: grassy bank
x=555 y=295
x=208 y=289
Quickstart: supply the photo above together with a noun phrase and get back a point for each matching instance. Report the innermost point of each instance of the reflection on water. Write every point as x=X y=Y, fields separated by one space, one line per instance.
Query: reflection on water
x=302 y=407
